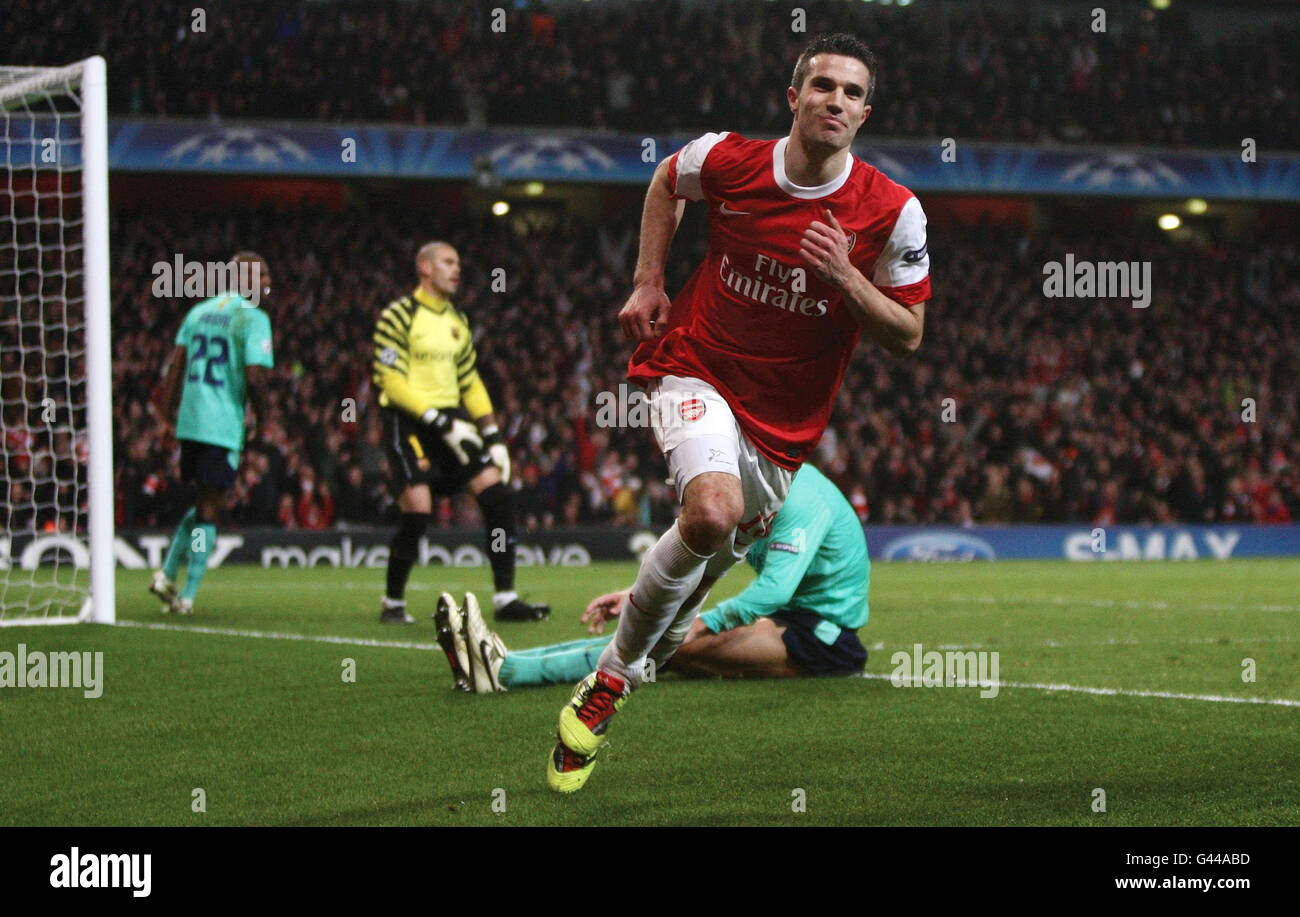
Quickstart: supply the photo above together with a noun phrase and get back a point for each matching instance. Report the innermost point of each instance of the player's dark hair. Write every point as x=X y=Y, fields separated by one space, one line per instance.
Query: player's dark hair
x=259 y=269
x=837 y=43
x=247 y=257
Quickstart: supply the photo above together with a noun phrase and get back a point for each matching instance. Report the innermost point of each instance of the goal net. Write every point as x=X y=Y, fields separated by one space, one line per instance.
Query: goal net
x=56 y=438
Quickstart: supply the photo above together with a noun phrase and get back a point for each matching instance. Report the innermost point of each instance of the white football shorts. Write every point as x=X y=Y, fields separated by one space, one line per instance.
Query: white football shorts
x=696 y=431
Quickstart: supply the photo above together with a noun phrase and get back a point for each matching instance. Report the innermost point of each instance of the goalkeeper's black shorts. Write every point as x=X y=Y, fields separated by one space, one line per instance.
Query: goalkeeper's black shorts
x=417 y=455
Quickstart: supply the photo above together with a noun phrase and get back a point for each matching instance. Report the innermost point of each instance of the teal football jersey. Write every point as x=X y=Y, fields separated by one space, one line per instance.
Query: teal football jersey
x=221 y=336
x=814 y=559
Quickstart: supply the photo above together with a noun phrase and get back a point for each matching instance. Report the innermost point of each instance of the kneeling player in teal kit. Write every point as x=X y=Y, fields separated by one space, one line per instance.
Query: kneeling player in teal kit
x=798 y=618
x=223 y=353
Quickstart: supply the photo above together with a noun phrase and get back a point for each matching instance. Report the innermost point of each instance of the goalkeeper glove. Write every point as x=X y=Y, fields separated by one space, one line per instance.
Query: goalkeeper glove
x=461 y=436
x=497 y=451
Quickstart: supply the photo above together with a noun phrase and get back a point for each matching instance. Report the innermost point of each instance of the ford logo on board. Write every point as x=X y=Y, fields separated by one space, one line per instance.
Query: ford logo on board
x=939 y=546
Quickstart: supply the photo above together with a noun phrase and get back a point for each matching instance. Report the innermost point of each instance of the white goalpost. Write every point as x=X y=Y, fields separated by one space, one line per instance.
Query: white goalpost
x=56 y=427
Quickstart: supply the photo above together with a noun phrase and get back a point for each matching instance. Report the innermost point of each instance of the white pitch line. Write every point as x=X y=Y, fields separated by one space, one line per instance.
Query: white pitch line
x=394 y=644
x=1117 y=641
x=271 y=635
x=1123 y=692
x=1234 y=640
x=378 y=588
x=1112 y=603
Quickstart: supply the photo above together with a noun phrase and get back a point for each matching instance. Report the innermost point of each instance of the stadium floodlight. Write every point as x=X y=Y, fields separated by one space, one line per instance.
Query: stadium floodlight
x=56 y=428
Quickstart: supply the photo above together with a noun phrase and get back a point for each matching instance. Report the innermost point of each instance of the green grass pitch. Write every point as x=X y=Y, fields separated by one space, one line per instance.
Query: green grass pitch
x=273 y=735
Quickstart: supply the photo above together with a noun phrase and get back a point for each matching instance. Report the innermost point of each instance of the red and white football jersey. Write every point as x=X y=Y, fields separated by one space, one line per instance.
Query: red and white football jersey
x=754 y=320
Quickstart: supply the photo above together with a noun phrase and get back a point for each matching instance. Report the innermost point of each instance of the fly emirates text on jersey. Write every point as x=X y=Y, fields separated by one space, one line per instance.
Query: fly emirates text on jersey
x=760 y=289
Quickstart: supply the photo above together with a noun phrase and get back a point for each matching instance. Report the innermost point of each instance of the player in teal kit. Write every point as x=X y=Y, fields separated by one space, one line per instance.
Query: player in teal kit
x=799 y=617
x=223 y=352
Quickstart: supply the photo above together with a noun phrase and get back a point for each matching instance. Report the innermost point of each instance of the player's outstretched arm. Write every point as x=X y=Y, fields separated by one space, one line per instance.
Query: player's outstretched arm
x=645 y=315
x=794 y=542
x=602 y=609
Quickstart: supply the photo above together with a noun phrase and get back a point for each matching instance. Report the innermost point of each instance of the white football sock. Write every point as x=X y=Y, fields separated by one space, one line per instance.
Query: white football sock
x=670 y=572
x=676 y=633
x=502 y=599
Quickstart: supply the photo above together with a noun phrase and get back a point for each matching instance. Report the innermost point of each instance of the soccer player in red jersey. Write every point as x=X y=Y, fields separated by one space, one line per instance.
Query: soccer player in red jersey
x=808 y=248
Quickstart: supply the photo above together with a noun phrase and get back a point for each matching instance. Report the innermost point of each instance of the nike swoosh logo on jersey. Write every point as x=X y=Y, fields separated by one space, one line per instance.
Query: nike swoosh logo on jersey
x=740 y=213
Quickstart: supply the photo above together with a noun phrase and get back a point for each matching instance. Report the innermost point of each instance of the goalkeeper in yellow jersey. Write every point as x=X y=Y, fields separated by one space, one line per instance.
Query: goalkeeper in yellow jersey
x=440 y=432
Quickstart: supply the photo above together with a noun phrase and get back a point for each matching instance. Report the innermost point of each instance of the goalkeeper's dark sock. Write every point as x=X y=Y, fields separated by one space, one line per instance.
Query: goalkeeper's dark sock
x=180 y=546
x=202 y=541
x=498 y=506
x=403 y=551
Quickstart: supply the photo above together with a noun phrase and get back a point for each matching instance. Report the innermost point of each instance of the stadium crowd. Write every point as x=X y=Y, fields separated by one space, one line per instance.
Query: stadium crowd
x=1006 y=71
x=1017 y=408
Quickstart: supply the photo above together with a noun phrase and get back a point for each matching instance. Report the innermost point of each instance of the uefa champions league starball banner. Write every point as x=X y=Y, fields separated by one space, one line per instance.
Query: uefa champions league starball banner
x=569 y=547
x=395 y=151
